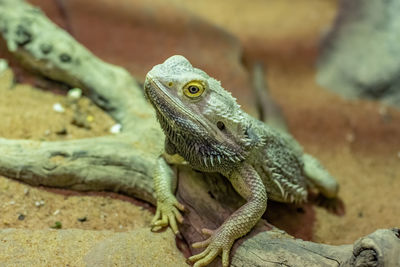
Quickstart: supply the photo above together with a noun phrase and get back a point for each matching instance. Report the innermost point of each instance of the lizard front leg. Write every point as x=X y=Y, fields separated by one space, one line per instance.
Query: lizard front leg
x=168 y=207
x=249 y=185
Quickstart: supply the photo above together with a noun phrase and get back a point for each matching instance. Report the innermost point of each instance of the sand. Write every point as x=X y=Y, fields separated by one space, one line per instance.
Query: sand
x=27 y=113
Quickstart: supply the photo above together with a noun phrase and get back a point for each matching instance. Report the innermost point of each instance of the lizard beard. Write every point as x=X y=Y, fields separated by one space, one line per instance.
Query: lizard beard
x=198 y=147
x=194 y=143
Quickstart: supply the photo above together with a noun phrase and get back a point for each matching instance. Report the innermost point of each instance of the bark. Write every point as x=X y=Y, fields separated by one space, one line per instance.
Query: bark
x=124 y=162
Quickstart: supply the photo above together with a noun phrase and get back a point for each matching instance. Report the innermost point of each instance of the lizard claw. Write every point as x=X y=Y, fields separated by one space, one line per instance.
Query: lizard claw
x=218 y=242
x=167 y=213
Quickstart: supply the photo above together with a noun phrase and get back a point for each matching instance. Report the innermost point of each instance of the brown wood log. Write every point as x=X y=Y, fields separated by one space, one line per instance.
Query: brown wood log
x=124 y=162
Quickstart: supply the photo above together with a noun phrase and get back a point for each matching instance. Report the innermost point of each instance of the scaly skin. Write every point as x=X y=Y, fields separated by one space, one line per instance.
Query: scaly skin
x=206 y=127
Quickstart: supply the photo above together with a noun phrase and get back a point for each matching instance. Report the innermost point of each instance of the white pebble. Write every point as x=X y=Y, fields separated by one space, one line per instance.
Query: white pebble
x=120 y=226
x=116 y=128
x=3 y=65
x=57 y=107
x=12 y=202
x=56 y=212
x=39 y=203
x=75 y=93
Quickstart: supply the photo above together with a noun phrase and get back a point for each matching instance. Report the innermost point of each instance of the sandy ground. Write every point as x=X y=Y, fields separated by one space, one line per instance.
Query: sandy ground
x=357 y=141
x=27 y=113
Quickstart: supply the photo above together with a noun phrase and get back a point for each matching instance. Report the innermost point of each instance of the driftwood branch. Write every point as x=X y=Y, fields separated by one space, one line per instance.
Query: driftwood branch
x=124 y=162
x=104 y=163
x=210 y=199
x=121 y=161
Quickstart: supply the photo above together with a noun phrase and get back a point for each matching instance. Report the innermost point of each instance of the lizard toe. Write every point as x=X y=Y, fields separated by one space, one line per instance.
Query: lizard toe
x=219 y=241
x=167 y=214
x=207 y=231
x=207 y=258
x=202 y=244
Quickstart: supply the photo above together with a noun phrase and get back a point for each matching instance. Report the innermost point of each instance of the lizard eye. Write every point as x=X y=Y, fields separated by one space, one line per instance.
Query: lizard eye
x=193 y=89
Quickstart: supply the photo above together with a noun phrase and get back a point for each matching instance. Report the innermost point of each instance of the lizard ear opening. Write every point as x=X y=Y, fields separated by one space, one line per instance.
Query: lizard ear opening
x=220 y=125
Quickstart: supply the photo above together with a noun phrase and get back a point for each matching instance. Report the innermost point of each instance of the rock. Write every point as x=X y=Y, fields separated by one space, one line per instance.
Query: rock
x=73 y=247
x=360 y=56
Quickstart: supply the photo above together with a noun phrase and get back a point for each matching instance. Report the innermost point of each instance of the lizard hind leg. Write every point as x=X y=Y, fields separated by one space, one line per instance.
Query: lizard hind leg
x=319 y=177
x=326 y=185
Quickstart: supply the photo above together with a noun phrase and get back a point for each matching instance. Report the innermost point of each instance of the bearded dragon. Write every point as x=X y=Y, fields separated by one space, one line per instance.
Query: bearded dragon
x=205 y=126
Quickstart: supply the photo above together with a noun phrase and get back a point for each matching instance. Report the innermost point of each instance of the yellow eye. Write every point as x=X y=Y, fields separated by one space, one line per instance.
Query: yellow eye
x=193 y=89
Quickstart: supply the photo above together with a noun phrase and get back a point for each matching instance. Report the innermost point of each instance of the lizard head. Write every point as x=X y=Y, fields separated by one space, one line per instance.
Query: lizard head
x=201 y=119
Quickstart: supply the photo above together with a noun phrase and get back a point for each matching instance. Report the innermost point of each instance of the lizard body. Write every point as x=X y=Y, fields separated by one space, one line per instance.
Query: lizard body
x=205 y=126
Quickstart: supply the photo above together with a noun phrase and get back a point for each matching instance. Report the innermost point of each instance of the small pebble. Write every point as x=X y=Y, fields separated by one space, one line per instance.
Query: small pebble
x=116 y=128
x=90 y=118
x=3 y=65
x=57 y=225
x=120 y=226
x=21 y=217
x=75 y=93
x=83 y=219
x=57 y=107
x=12 y=202
x=39 y=203
x=56 y=212
x=63 y=131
